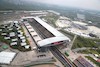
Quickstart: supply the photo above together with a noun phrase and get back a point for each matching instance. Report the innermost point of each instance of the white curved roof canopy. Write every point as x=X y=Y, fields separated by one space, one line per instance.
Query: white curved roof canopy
x=49 y=28
x=58 y=36
x=48 y=41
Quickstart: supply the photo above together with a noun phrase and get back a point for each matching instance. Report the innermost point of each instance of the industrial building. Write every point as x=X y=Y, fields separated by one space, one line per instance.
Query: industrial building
x=6 y=57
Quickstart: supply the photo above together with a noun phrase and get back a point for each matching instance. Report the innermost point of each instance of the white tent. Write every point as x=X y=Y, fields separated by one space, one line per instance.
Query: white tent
x=4 y=34
x=10 y=28
x=23 y=40
x=6 y=57
x=0 y=29
x=16 y=22
x=12 y=34
x=13 y=43
x=27 y=47
x=6 y=37
x=14 y=39
x=23 y=44
x=22 y=37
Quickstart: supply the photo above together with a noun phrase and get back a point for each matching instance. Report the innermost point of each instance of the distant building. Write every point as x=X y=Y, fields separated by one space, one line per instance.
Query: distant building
x=6 y=38
x=54 y=12
x=23 y=44
x=81 y=16
x=10 y=29
x=12 y=34
x=27 y=47
x=22 y=37
x=6 y=57
x=14 y=39
x=13 y=43
x=0 y=29
x=4 y=34
x=23 y=40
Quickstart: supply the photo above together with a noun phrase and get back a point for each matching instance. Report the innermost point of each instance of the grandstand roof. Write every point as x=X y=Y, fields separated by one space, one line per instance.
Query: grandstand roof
x=49 y=28
x=48 y=41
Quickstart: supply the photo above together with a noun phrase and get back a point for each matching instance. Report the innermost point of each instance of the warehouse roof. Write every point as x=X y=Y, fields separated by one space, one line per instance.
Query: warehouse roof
x=6 y=57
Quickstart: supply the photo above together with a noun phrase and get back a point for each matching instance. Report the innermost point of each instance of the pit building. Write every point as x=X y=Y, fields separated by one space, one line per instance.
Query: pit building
x=49 y=36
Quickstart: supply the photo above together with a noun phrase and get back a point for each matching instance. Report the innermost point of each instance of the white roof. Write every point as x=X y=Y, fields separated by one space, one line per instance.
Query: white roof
x=22 y=37
x=23 y=40
x=26 y=23
x=12 y=34
x=31 y=29
x=6 y=57
x=13 y=43
x=51 y=40
x=27 y=46
x=15 y=21
x=10 y=29
x=23 y=44
x=4 y=34
x=6 y=37
x=49 y=28
x=14 y=39
x=19 y=31
x=34 y=34
x=0 y=29
x=37 y=38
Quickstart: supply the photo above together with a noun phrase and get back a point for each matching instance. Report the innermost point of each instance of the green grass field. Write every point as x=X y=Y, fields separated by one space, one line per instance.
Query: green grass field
x=85 y=42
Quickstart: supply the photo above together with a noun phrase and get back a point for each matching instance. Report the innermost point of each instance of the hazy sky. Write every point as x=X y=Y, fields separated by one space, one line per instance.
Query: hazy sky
x=88 y=4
